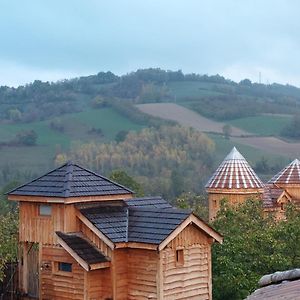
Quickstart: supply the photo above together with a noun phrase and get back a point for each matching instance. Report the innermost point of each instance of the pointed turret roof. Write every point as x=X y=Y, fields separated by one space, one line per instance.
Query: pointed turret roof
x=70 y=180
x=288 y=175
x=234 y=173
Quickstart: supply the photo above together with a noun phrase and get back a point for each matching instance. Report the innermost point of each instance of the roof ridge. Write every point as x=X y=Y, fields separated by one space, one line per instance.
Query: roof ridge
x=68 y=179
x=105 y=178
x=35 y=179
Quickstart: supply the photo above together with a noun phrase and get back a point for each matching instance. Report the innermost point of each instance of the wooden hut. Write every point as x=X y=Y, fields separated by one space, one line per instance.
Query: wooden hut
x=84 y=236
x=284 y=187
x=234 y=180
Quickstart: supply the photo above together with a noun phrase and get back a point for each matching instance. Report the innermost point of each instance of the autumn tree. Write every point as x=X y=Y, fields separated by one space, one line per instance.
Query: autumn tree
x=166 y=161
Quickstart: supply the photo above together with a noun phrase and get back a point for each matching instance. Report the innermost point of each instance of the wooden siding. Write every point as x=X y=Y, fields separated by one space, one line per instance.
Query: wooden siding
x=120 y=274
x=192 y=279
x=56 y=284
x=142 y=274
x=95 y=239
x=99 y=284
x=214 y=200
x=41 y=229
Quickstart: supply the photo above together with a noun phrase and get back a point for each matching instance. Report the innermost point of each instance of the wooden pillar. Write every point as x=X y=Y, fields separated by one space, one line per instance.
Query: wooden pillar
x=209 y=261
x=159 y=277
x=24 y=288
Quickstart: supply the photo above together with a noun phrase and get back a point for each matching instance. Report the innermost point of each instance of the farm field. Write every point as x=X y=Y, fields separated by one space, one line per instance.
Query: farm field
x=186 y=117
x=77 y=128
x=262 y=125
x=183 y=89
x=267 y=145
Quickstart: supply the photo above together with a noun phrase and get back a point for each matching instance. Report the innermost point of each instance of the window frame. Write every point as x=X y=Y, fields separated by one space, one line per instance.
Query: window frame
x=47 y=212
x=179 y=257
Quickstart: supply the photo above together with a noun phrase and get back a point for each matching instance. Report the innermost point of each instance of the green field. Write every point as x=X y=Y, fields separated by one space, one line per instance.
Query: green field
x=183 y=89
x=76 y=127
x=262 y=125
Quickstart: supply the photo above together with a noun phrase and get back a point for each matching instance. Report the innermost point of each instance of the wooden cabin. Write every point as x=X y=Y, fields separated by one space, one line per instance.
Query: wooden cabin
x=235 y=181
x=84 y=236
x=284 y=187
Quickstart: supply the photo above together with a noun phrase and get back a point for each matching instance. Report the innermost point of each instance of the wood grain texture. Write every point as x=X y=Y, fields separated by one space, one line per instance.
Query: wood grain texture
x=192 y=279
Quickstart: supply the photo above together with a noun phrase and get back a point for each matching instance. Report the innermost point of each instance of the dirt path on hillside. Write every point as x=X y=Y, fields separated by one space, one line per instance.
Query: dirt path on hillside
x=186 y=117
x=190 y=118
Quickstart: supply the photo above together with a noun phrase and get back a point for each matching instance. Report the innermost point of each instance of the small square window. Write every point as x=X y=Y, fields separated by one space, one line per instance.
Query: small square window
x=179 y=257
x=65 y=267
x=45 y=210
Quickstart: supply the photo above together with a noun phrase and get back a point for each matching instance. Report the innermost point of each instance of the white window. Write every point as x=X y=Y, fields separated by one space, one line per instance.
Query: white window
x=45 y=210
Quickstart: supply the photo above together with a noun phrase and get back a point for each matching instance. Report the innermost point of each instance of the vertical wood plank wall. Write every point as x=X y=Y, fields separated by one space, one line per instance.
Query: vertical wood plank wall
x=41 y=229
x=60 y=285
x=95 y=239
x=192 y=280
x=214 y=200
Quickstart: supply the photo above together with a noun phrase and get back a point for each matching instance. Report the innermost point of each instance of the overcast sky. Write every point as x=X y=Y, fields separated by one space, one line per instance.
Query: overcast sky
x=56 y=39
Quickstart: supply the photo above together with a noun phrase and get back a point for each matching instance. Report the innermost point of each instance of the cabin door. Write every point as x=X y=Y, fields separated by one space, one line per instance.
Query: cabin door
x=33 y=270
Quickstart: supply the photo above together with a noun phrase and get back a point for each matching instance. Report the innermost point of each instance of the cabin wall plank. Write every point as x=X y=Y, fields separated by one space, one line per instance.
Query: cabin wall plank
x=142 y=274
x=192 y=279
x=60 y=285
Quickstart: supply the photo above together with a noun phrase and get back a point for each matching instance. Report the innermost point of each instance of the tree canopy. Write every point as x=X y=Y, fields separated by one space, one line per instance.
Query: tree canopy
x=254 y=245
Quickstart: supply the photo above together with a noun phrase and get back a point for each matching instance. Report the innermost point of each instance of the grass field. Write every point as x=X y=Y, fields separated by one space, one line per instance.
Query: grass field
x=182 y=89
x=262 y=125
x=76 y=127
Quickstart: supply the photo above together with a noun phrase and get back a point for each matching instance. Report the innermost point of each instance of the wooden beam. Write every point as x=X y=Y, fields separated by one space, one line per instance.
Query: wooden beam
x=73 y=254
x=136 y=245
x=101 y=265
x=69 y=200
x=93 y=228
x=196 y=221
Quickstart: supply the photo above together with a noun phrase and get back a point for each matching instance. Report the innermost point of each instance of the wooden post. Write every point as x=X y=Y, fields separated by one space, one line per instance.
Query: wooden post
x=209 y=269
x=25 y=267
x=160 y=282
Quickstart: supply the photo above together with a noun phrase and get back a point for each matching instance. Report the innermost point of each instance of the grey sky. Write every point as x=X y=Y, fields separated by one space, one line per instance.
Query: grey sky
x=58 y=39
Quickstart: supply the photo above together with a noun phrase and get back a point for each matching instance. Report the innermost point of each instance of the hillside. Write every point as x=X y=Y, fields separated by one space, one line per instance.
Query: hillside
x=101 y=108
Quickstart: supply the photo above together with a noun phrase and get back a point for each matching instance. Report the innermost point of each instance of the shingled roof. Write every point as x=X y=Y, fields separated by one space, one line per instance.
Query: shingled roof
x=288 y=175
x=70 y=180
x=234 y=173
x=133 y=223
x=277 y=286
x=82 y=248
x=270 y=195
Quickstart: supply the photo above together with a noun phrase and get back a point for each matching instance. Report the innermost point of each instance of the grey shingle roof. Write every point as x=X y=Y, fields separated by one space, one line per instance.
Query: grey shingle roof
x=154 y=202
x=135 y=221
x=70 y=180
x=88 y=252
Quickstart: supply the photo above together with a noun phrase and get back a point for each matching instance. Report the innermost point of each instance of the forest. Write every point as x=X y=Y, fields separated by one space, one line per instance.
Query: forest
x=93 y=121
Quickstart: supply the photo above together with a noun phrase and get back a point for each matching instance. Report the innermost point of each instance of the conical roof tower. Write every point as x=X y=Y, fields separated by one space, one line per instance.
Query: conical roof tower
x=234 y=173
x=288 y=175
x=289 y=180
x=234 y=180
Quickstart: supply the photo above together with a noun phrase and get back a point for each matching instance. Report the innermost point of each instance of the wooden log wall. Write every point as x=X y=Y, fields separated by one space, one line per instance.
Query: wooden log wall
x=120 y=274
x=60 y=285
x=192 y=279
x=99 y=284
x=142 y=274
